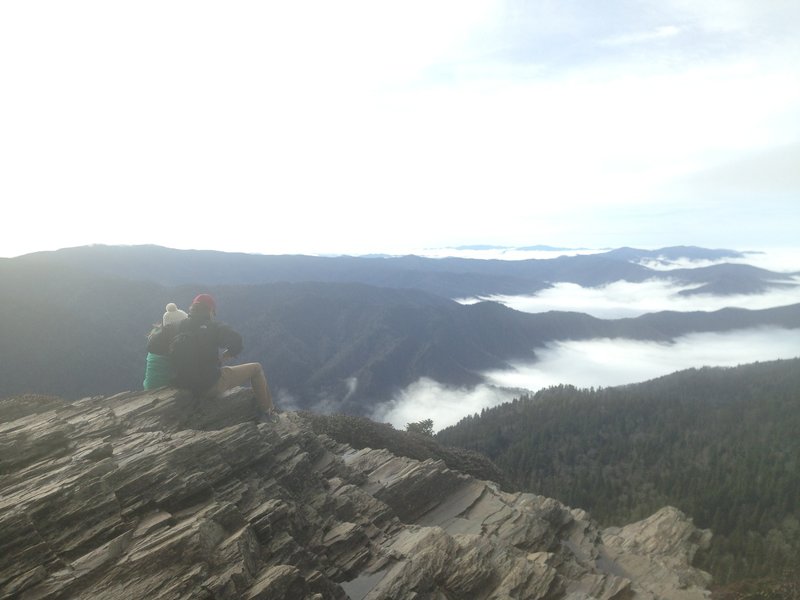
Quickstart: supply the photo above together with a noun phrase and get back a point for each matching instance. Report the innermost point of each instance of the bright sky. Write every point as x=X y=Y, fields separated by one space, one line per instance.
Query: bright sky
x=369 y=126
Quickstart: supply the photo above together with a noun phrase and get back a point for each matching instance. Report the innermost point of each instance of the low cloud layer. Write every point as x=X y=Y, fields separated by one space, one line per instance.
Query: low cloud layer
x=502 y=253
x=429 y=399
x=607 y=362
x=625 y=299
x=780 y=260
x=593 y=363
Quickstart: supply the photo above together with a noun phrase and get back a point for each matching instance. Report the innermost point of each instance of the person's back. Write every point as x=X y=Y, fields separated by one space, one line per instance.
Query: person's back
x=195 y=350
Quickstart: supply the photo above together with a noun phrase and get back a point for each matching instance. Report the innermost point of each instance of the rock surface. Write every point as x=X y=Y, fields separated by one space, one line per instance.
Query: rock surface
x=158 y=495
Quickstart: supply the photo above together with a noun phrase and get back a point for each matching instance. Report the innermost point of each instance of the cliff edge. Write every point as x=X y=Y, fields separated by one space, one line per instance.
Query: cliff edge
x=158 y=495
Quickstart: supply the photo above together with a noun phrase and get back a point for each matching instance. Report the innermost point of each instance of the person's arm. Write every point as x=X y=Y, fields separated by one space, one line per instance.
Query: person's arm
x=231 y=341
x=156 y=342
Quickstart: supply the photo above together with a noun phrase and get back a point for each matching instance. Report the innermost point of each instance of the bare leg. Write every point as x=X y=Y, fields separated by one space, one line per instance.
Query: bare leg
x=252 y=372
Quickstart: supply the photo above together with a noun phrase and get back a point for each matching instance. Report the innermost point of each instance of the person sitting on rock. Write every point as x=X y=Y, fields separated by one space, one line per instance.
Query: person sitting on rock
x=198 y=364
x=158 y=370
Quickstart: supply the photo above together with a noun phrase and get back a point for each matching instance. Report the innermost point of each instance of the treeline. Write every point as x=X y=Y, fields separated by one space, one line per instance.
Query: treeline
x=721 y=444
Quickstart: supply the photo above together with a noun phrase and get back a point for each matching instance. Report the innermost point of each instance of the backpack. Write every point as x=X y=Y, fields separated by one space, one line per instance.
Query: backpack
x=186 y=356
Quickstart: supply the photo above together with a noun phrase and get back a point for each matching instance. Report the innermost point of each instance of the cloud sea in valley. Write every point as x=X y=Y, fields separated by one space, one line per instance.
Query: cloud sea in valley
x=610 y=362
x=584 y=364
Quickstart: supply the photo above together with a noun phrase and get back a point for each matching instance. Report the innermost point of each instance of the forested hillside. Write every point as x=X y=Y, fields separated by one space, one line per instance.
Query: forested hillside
x=721 y=444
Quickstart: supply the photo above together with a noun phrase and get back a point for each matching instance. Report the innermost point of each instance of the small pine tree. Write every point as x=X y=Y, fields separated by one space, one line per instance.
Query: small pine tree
x=424 y=427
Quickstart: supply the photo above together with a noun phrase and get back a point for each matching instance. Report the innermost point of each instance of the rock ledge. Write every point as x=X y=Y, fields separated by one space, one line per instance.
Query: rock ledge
x=155 y=494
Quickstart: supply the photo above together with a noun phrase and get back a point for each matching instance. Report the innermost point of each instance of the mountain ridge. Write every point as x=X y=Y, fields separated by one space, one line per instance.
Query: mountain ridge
x=450 y=277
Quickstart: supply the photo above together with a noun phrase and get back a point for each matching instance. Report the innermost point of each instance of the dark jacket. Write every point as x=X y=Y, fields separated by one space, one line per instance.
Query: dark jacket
x=211 y=336
x=159 y=339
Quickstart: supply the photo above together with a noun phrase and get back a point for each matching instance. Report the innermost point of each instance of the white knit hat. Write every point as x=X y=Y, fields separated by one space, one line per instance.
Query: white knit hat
x=173 y=315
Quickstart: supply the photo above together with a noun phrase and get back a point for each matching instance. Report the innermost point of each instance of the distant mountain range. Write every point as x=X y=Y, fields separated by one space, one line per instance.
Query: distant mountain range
x=538 y=247
x=73 y=322
x=448 y=277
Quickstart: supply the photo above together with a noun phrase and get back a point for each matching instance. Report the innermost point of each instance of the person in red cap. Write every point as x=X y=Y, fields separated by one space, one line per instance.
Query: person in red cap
x=207 y=301
x=198 y=364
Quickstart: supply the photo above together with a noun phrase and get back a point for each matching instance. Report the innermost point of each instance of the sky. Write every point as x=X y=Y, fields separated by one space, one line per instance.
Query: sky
x=371 y=126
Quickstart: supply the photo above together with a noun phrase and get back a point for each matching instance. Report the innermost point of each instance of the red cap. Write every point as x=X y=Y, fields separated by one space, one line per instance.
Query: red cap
x=206 y=300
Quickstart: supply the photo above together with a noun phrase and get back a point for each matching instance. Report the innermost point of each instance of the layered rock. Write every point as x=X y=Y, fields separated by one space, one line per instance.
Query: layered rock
x=158 y=495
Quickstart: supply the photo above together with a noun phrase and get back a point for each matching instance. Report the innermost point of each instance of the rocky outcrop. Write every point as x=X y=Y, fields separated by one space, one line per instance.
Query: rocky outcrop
x=158 y=495
x=360 y=432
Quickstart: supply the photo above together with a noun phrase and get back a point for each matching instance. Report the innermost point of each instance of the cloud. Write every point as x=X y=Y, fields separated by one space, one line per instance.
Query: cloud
x=623 y=299
x=781 y=260
x=667 y=264
x=659 y=33
x=627 y=299
x=285 y=400
x=773 y=171
x=351 y=383
x=728 y=16
x=606 y=362
x=585 y=364
x=502 y=253
x=428 y=399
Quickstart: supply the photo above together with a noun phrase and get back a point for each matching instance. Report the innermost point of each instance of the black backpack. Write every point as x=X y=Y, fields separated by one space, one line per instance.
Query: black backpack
x=187 y=360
